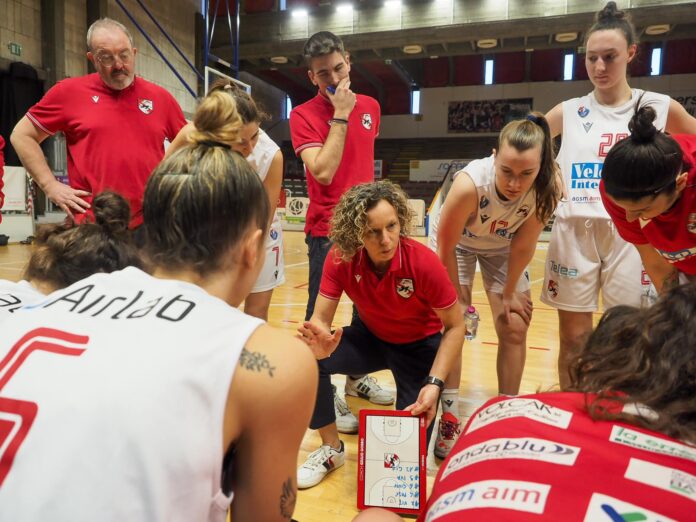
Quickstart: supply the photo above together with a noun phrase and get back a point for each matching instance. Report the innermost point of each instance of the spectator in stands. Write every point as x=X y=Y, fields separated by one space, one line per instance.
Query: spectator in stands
x=618 y=446
x=408 y=317
x=115 y=124
x=334 y=135
x=493 y=214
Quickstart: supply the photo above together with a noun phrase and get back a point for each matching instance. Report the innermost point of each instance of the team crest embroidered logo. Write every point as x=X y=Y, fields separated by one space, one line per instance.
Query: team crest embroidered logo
x=553 y=288
x=95 y=99
x=583 y=111
x=523 y=211
x=146 y=106
x=691 y=223
x=366 y=120
x=484 y=202
x=404 y=287
x=274 y=234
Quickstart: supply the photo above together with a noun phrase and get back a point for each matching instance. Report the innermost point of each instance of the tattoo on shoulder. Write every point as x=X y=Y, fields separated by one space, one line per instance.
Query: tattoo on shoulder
x=288 y=498
x=255 y=361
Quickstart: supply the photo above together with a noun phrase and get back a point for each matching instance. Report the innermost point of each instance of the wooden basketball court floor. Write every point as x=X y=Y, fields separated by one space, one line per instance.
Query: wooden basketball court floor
x=335 y=498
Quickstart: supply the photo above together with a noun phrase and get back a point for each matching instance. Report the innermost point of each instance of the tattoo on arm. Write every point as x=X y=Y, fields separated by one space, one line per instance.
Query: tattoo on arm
x=288 y=498
x=255 y=361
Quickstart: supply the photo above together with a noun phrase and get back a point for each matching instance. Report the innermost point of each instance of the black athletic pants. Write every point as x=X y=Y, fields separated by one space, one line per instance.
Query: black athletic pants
x=361 y=352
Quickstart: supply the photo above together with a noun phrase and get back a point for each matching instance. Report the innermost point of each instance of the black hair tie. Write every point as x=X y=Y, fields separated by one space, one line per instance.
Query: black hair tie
x=213 y=143
x=533 y=119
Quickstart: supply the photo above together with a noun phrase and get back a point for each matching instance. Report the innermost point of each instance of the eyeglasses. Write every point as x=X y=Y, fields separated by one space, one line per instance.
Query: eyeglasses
x=108 y=60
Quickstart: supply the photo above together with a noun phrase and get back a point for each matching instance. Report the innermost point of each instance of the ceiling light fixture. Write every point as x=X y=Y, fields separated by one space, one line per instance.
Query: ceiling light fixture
x=487 y=43
x=344 y=8
x=299 y=13
x=279 y=59
x=566 y=37
x=657 y=29
x=392 y=3
x=412 y=49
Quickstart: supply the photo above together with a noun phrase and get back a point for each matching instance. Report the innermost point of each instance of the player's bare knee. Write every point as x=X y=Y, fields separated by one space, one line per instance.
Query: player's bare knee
x=513 y=331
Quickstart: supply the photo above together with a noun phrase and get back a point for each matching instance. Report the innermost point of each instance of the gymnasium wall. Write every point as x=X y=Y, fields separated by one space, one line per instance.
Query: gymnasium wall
x=20 y=22
x=546 y=95
x=432 y=123
x=178 y=18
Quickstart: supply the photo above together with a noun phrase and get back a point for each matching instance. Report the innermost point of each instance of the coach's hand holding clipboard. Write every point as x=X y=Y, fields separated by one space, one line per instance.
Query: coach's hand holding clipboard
x=426 y=403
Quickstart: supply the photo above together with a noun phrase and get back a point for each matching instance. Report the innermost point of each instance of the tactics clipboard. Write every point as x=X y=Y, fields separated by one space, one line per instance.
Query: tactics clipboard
x=392 y=454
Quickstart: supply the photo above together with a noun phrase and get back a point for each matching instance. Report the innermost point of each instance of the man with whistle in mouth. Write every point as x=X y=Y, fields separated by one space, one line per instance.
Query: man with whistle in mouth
x=334 y=136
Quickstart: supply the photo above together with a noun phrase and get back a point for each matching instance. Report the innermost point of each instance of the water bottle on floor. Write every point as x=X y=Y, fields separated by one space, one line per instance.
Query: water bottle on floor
x=471 y=320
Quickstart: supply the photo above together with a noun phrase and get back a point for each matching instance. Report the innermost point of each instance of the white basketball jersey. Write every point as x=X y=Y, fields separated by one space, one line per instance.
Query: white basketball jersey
x=261 y=158
x=496 y=221
x=16 y=294
x=589 y=132
x=113 y=394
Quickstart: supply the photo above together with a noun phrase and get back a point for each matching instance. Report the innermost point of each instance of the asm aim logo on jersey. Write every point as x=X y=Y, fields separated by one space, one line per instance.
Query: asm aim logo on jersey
x=501 y=494
x=585 y=175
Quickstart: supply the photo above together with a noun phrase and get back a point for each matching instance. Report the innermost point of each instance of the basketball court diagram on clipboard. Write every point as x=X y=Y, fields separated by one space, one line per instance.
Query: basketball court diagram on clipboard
x=391 y=464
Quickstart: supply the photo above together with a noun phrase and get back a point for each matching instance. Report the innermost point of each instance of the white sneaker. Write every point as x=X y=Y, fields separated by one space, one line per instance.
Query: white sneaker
x=318 y=465
x=367 y=388
x=447 y=434
x=345 y=420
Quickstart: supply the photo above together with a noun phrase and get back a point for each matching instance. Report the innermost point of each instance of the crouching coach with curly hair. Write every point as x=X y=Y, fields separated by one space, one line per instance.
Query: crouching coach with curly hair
x=408 y=317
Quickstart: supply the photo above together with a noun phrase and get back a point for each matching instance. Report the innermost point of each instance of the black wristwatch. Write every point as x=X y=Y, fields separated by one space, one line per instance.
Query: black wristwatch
x=434 y=380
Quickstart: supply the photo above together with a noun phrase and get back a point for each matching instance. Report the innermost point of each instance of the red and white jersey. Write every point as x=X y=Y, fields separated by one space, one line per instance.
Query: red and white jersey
x=14 y=295
x=672 y=234
x=113 y=395
x=262 y=157
x=309 y=127
x=542 y=457
x=400 y=306
x=114 y=138
x=496 y=220
x=589 y=131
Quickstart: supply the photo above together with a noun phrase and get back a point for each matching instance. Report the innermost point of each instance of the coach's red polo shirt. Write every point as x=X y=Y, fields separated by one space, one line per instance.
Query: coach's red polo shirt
x=309 y=127
x=399 y=307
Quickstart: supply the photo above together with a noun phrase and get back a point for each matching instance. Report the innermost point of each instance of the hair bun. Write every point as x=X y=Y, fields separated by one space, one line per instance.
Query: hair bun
x=111 y=212
x=610 y=12
x=641 y=125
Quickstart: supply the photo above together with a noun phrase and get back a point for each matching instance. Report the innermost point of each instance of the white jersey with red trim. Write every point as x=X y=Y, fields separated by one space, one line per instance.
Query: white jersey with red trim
x=262 y=157
x=113 y=395
x=273 y=272
x=589 y=131
x=496 y=221
x=16 y=294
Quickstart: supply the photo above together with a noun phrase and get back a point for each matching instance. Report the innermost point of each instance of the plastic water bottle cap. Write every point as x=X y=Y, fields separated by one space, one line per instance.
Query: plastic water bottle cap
x=471 y=309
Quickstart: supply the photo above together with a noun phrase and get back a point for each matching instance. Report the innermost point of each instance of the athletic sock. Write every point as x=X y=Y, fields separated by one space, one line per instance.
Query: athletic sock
x=450 y=401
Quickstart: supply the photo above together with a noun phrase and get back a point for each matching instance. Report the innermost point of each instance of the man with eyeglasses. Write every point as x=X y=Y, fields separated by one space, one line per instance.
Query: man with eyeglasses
x=115 y=126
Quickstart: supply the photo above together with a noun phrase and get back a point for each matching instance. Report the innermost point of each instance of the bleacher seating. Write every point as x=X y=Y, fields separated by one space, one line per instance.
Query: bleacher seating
x=396 y=155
